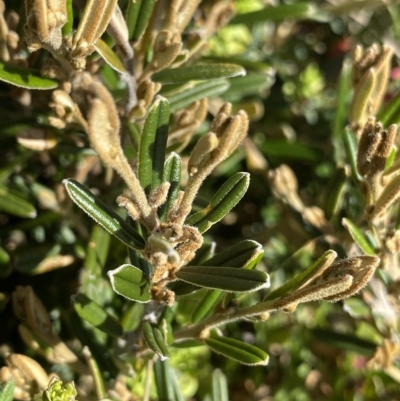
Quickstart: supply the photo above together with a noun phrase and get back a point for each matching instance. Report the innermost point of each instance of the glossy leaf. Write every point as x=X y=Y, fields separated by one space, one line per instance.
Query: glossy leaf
x=7 y=391
x=155 y=340
x=225 y=199
x=95 y=314
x=198 y=72
x=138 y=16
x=24 y=78
x=130 y=282
x=245 y=254
x=109 y=56
x=153 y=142
x=171 y=174
x=240 y=351
x=67 y=28
x=219 y=386
x=228 y=279
x=103 y=214
x=326 y=259
x=296 y=11
x=187 y=95
x=358 y=236
x=12 y=202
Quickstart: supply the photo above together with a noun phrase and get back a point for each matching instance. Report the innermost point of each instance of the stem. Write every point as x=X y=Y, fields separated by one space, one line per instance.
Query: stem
x=219 y=319
x=150 y=219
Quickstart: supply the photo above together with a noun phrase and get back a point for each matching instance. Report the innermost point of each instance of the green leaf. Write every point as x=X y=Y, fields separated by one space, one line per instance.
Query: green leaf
x=245 y=254
x=344 y=341
x=390 y=113
x=153 y=144
x=358 y=236
x=171 y=174
x=283 y=148
x=251 y=84
x=187 y=95
x=219 y=386
x=240 y=351
x=13 y=202
x=109 y=56
x=24 y=78
x=206 y=305
x=5 y=268
x=296 y=11
x=155 y=340
x=138 y=16
x=228 y=279
x=67 y=28
x=130 y=282
x=351 y=146
x=335 y=193
x=89 y=336
x=327 y=258
x=7 y=391
x=93 y=313
x=225 y=199
x=103 y=214
x=341 y=110
x=198 y=72
x=166 y=383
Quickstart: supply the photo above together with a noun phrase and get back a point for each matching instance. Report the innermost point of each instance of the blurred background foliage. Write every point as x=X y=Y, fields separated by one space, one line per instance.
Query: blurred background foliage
x=320 y=352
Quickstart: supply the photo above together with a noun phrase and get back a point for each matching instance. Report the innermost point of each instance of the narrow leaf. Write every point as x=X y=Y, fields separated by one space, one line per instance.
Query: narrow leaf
x=219 y=386
x=228 y=279
x=67 y=28
x=296 y=11
x=341 y=110
x=198 y=72
x=245 y=254
x=251 y=84
x=12 y=202
x=164 y=380
x=7 y=391
x=240 y=351
x=130 y=282
x=335 y=192
x=358 y=236
x=155 y=341
x=390 y=113
x=206 y=89
x=153 y=144
x=138 y=16
x=103 y=214
x=109 y=56
x=171 y=174
x=225 y=199
x=24 y=78
x=206 y=305
x=93 y=313
x=351 y=146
